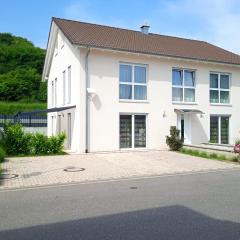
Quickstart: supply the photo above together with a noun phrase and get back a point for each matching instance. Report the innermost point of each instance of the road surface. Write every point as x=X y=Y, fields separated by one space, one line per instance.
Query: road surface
x=188 y=206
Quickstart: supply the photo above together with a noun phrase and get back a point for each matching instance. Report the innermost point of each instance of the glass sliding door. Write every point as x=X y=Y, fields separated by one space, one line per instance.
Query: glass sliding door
x=214 y=129
x=125 y=131
x=132 y=131
x=219 y=129
x=139 y=131
x=224 y=130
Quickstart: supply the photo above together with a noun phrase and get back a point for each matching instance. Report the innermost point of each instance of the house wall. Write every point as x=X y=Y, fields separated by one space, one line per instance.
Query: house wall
x=105 y=107
x=67 y=55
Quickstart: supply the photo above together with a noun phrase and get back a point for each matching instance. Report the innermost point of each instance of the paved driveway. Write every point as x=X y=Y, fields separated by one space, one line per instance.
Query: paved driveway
x=35 y=171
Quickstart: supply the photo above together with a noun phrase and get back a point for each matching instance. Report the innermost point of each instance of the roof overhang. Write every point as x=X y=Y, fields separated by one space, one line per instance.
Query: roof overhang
x=183 y=111
x=49 y=110
x=156 y=55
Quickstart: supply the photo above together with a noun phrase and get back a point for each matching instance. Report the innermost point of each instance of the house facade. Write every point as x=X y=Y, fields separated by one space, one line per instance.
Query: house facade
x=114 y=89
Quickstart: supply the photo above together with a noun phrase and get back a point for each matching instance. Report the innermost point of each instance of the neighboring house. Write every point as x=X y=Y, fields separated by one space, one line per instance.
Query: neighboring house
x=116 y=89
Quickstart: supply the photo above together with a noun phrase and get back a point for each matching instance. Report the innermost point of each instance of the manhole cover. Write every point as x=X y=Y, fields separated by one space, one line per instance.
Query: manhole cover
x=8 y=176
x=133 y=188
x=73 y=169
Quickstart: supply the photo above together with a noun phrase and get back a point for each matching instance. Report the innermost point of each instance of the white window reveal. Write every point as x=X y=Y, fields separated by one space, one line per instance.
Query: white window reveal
x=183 y=85
x=69 y=85
x=219 y=129
x=133 y=82
x=219 y=88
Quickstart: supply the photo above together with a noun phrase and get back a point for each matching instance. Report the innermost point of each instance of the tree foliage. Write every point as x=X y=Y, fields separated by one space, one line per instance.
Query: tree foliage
x=21 y=66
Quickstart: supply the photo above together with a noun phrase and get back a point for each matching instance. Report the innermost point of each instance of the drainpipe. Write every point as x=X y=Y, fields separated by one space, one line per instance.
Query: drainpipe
x=87 y=84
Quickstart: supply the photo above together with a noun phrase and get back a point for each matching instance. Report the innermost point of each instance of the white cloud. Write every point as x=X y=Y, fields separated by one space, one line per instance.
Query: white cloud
x=219 y=20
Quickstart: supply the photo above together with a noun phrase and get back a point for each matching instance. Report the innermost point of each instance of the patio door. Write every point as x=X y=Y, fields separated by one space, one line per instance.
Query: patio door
x=132 y=131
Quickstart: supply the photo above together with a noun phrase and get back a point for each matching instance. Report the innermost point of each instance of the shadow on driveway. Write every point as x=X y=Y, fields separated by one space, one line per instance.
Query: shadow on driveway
x=173 y=222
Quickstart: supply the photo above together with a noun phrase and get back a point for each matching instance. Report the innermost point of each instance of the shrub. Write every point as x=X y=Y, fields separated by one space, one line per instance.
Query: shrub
x=14 y=140
x=40 y=144
x=43 y=145
x=2 y=155
x=56 y=143
x=174 y=142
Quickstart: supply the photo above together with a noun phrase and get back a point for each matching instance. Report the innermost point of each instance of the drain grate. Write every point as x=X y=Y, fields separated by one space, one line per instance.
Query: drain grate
x=8 y=176
x=73 y=169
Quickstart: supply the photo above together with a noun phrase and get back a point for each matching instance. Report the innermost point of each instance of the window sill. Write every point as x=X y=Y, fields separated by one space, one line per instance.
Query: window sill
x=133 y=101
x=185 y=103
x=221 y=104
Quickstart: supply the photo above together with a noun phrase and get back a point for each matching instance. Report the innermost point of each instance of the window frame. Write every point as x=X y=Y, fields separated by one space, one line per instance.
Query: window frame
x=219 y=89
x=219 y=116
x=133 y=83
x=183 y=87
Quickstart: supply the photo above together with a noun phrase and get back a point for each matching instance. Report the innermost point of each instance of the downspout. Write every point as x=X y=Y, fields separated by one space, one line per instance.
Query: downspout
x=87 y=84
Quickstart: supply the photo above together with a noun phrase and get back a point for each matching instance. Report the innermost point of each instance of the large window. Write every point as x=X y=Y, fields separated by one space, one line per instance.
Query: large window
x=132 y=131
x=133 y=82
x=183 y=85
x=219 y=88
x=219 y=129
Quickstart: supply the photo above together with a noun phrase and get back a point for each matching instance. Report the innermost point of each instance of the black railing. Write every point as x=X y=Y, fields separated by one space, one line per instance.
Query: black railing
x=31 y=120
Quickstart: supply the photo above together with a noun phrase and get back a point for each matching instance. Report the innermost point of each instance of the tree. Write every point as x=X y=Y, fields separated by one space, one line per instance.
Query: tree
x=21 y=66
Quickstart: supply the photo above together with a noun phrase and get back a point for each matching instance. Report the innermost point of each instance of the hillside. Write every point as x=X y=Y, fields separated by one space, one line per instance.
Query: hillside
x=21 y=66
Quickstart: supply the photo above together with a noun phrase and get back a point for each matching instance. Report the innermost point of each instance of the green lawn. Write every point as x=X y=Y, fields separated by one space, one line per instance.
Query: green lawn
x=15 y=107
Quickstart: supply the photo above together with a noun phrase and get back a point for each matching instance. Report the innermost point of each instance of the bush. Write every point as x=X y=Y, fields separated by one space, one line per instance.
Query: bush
x=14 y=140
x=174 y=141
x=56 y=143
x=40 y=144
x=2 y=155
x=43 y=145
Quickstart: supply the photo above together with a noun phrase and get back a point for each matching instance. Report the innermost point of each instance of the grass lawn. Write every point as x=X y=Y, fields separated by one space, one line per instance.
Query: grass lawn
x=15 y=107
x=209 y=155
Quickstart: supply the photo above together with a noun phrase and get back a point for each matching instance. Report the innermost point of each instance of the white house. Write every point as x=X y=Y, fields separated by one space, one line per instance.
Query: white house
x=114 y=89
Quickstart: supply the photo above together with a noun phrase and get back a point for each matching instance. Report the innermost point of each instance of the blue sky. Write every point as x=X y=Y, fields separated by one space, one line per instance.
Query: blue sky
x=215 y=21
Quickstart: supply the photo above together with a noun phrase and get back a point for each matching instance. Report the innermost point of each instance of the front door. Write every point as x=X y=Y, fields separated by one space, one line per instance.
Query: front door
x=182 y=129
x=184 y=125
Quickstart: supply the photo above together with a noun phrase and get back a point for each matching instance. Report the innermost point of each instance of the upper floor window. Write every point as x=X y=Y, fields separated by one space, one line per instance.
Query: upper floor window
x=219 y=88
x=55 y=92
x=133 y=82
x=69 y=85
x=183 y=85
x=64 y=87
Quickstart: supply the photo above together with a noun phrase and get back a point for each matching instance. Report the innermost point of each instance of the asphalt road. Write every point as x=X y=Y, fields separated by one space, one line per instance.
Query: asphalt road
x=195 y=206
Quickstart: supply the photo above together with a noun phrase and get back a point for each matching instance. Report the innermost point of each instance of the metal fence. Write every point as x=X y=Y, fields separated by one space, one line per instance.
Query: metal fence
x=27 y=120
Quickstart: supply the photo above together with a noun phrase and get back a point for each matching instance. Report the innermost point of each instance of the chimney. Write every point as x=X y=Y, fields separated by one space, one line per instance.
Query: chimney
x=145 y=28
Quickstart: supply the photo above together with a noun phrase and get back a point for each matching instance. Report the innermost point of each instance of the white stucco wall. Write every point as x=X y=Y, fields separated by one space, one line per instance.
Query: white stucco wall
x=66 y=56
x=105 y=107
